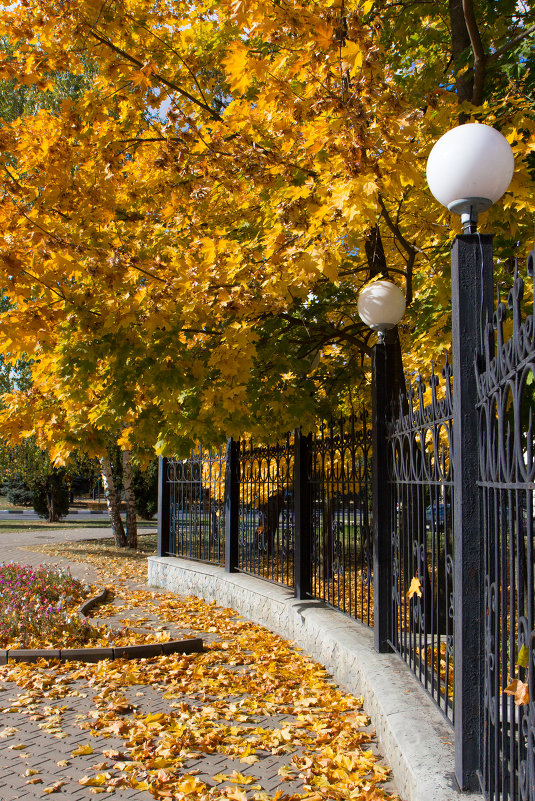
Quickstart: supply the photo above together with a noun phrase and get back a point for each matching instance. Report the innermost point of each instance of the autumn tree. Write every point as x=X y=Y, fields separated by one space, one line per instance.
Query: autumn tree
x=49 y=487
x=184 y=241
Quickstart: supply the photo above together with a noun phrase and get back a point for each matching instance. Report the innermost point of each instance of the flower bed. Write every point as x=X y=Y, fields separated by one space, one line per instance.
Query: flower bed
x=38 y=608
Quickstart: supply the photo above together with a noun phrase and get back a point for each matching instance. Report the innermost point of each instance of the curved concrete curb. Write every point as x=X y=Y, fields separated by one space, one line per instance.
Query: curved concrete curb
x=189 y=646
x=415 y=738
x=194 y=645
x=90 y=604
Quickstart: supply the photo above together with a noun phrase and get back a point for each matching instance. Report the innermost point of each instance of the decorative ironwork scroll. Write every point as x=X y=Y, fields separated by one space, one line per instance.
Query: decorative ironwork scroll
x=197 y=506
x=420 y=491
x=266 y=538
x=342 y=545
x=505 y=374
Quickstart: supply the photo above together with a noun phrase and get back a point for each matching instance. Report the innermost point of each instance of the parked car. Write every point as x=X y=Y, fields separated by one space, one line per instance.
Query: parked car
x=431 y=515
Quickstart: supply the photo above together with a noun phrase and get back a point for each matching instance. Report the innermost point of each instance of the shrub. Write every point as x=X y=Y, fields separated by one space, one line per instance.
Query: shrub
x=145 y=484
x=38 y=607
x=18 y=492
x=51 y=496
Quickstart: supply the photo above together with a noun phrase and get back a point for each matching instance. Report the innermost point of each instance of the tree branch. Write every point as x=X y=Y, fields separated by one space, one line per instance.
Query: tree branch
x=508 y=45
x=460 y=43
x=411 y=250
x=394 y=228
x=480 y=58
x=177 y=54
x=170 y=84
x=328 y=334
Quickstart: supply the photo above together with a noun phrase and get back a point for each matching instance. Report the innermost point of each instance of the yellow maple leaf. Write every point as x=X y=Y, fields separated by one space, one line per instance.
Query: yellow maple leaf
x=352 y=56
x=415 y=588
x=54 y=788
x=250 y=759
x=153 y=717
x=324 y=35
x=83 y=750
x=236 y=67
x=238 y=778
x=235 y=794
x=188 y=784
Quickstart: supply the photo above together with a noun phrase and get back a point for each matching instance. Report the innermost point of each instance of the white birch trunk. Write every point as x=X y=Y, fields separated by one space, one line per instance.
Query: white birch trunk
x=131 y=521
x=111 y=502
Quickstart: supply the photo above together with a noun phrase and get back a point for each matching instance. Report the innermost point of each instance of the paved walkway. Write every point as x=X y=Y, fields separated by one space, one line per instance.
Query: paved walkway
x=51 y=712
x=14 y=548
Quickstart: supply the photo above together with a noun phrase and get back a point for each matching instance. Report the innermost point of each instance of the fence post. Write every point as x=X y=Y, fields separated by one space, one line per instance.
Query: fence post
x=382 y=535
x=164 y=508
x=232 y=506
x=302 y=516
x=472 y=291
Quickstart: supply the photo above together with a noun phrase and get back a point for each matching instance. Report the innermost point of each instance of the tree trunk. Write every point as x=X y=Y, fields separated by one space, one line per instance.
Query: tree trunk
x=460 y=44
x=375 y=253
x=111 y=501
x=52 y=517
x=131 y=522
x=396 y=382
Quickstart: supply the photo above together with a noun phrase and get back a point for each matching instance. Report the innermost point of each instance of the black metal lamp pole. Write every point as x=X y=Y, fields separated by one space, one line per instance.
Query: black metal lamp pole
x=469 y=168
x=232 y=506
x=382 y=552
x=381 y=306
x=472 y=300
x=164 y=498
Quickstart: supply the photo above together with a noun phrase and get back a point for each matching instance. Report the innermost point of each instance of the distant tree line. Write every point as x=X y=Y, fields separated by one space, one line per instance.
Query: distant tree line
x=30 y=479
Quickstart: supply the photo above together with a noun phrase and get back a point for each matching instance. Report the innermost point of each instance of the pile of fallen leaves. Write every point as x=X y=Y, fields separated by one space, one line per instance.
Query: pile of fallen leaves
x=38 y=608
x=250 y=696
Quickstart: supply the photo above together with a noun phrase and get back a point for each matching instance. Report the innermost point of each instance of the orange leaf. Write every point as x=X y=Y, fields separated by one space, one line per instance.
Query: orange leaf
x=415 y=588
x=520 y=691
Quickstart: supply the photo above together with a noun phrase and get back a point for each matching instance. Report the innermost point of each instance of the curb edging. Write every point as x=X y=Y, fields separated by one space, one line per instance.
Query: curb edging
x=146 y=651
x=190 y=646
x=90 y=604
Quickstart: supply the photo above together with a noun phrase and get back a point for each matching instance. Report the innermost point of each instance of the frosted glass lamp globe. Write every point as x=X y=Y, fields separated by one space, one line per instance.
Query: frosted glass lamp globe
x=469 y=169
x=381 y=305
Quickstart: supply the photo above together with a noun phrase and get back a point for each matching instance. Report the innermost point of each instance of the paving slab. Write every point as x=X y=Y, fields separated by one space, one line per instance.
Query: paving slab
x=37 y=732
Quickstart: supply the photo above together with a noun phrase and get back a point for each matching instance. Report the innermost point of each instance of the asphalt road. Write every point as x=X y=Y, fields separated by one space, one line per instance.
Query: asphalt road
x=75 y=514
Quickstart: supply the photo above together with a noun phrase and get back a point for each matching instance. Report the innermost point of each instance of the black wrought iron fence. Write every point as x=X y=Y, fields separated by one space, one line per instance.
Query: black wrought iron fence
x=266 y=518
x=196 y=498
x=420 y=478
x=506 y=406
x=239 y=507
x=340 y=498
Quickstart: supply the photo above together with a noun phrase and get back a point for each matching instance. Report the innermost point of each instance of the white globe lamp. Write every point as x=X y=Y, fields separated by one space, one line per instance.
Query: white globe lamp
x=381 y=306
x=469 y=169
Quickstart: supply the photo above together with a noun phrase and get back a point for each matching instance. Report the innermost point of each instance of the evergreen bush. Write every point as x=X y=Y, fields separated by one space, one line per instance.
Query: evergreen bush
x=145 y=484
x=51 y=496
x=18 y=492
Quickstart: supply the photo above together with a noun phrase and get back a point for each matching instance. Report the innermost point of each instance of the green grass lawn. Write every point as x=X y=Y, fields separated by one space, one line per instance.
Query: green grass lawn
x=5 y=504
x=37 y=525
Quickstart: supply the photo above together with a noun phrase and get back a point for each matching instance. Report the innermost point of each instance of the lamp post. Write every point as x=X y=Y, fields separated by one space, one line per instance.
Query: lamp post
x=381 y=306
x=468 y=170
